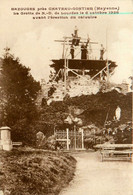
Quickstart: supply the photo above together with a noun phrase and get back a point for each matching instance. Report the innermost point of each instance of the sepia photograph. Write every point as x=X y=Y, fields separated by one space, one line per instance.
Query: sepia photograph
x=66 y=84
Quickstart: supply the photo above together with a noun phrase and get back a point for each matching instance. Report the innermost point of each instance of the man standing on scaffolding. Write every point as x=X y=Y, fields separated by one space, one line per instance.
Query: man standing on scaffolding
x=76 y=39
x=76 y=31
x=72 y=51
x=102 y=51
x=84 y=50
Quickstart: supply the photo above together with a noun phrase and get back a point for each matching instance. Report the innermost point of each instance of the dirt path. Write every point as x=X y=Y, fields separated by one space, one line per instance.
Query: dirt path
x=94 y=177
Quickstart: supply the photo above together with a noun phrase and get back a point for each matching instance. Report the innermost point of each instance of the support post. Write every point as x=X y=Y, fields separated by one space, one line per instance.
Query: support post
x=67 y=68
x=63 y=54
x=107 y=71
x=65 y=74
x=67 y=138
x=107 y=65
x=75 y=135
x=83 y=72
x=82 y=131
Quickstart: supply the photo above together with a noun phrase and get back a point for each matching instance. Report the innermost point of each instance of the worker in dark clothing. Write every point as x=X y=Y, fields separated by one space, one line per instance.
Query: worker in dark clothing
x=76 y=39
x=72 y=51
x=76 y=31
x=84 y=51
x=73 y=40
x=102 y=51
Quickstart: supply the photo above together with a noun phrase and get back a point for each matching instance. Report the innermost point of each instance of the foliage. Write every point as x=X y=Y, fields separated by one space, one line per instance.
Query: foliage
x=113 y=133
x=35 y=172
x=19 y=91
x=123 y=133
x=93 y=109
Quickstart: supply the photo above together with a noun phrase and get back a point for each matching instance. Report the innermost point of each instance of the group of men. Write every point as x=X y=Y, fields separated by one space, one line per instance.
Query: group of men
x=84 y=50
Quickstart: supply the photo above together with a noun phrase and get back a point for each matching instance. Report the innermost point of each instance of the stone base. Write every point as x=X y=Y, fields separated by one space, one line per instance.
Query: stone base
x=7 y=147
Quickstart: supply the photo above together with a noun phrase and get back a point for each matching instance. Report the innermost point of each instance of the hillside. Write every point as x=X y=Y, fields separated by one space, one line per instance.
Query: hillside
x=91 y=109
x=35 y=172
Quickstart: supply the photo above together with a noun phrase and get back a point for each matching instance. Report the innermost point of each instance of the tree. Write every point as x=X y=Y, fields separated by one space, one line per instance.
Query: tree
x=19 y=91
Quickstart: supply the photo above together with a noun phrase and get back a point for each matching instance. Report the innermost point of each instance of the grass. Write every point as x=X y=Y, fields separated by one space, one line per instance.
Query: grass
x=35 y=172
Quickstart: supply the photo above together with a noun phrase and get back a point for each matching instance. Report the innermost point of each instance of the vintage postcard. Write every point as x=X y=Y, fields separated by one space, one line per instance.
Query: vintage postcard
x=66 y=83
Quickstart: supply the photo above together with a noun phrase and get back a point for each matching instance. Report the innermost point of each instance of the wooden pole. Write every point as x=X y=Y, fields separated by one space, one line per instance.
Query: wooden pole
x=67 y=138
x=67 y=68
x=75 y=135
x=63 y=54
x=65 y=75
x=65 y=64
x=107 y=55
x=82 y=138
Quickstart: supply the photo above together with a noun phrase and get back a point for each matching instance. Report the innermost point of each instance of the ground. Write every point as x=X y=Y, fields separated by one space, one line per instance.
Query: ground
x=35 y=172
x=46 y=173
x=94 y=177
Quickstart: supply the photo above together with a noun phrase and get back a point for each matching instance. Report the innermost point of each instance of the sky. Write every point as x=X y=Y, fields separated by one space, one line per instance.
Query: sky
x=33 y=40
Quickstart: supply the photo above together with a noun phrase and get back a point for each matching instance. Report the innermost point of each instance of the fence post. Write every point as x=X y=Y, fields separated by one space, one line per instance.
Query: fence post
x=75 y=136
x=67 y=138
x=82 y=138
